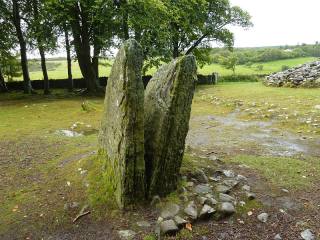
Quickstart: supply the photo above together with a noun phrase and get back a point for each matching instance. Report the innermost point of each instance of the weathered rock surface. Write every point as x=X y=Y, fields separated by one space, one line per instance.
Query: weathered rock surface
x=170 y=210
x=121 y=138
x=168 y=227
x=226 y=209
x=307 y=235
x=168 y=99
x=206 y=212
x=126 y=234
x=263 y=217
x=191 y=211
x=180 y=221
x=202 y=189
x=306 y=75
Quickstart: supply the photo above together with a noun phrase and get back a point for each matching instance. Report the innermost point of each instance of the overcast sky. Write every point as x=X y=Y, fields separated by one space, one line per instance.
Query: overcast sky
x=279 y=22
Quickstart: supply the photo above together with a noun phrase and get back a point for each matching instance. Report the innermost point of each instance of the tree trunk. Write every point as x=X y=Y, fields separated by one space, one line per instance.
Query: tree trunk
x=44 y=71
x=80 y=33
x=70 y=79
x=3 y=86
x=23 y=47
x=41 y=48
x=95 y=60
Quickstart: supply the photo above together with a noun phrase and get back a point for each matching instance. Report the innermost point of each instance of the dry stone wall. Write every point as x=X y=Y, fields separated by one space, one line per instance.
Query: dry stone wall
x=306 y=75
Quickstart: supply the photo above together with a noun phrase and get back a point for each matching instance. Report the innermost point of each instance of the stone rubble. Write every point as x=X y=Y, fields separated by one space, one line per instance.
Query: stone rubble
x=306 y=75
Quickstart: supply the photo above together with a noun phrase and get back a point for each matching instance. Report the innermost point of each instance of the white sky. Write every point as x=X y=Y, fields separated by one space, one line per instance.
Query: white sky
x=279 y=22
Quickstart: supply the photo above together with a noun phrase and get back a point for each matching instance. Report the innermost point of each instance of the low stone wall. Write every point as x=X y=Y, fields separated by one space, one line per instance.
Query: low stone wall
x=80 y=83
x=306 y=75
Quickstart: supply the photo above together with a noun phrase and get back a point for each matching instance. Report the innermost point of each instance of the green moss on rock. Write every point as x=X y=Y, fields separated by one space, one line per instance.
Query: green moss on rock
x=121 y=137
x=168 y=100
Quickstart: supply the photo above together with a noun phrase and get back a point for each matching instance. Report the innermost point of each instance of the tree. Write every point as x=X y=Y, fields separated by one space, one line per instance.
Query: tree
x=42 y=34
x=229 y=62
x=90 y=24
x=7 y=44
x=196 y=23
x=16 y=19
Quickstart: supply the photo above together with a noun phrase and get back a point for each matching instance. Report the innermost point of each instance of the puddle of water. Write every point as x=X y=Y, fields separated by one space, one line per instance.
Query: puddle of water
x=68 y=133
x=230 y=133
x=73 y=133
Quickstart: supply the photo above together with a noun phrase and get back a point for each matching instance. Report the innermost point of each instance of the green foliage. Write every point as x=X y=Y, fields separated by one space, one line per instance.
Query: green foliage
x=229 y=61
x=239 y=78
x=10 y=68
x=284 y=67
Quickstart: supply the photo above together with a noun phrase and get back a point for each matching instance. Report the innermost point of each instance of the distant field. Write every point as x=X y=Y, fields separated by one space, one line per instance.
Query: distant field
x=59 y=68
x=268 y=67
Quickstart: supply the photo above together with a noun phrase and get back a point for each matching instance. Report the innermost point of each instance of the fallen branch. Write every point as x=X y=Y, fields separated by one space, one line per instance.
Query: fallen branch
x=80 y=216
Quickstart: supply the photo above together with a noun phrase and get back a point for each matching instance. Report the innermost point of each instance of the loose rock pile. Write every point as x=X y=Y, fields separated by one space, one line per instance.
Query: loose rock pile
x=306 y=75
x=203 y=198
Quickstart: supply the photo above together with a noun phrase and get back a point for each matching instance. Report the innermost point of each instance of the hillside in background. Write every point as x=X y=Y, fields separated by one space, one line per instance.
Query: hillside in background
x=249 y=61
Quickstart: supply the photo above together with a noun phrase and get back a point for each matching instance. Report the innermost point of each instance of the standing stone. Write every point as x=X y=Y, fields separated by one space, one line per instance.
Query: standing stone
x=168 y=100
x=121 y=138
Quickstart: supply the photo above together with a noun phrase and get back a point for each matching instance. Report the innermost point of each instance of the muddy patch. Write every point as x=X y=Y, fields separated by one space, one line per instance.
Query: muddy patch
x=258 y=137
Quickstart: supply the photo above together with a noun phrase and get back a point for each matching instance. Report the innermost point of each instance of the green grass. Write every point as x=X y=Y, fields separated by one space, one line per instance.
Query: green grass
x=59 y=68
x=268 y=67
x=288 y=108
x=288 y=173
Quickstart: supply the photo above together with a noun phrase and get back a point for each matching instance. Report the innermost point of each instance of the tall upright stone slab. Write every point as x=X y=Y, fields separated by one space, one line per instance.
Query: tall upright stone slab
x=168 y=100
x=121 y=138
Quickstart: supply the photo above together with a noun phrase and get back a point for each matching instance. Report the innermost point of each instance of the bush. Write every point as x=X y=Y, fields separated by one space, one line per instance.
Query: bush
x=285 y=67
x=240 y=78
x=259 y=67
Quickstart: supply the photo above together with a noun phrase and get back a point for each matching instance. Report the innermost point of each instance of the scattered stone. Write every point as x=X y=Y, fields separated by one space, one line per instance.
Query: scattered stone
x=201 y=176
x=231 y=183
x=229 y=173
x=226 y=209
x=190 y=184
x=191 y=211
x=170 y=210
x=201 y=200
x=211 y=201
x=225 y=198
x=160 y=220
x=242 y=203
x=144 y=224
x=206 y=212
x=246 y=188
x=121 y=138
x=263 y=217
x=241 y=178
x=277 y=237
x=251 y=196
x=155 y=200
x=126 y=234
x=168 y=227
x=72 y=205
x=317 y=107
x=307 y=235
x=285 y=190
x=180 y=221
x=220 y=188
x=202 y=189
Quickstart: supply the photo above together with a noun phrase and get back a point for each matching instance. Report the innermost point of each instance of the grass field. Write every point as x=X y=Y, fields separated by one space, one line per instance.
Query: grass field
x=60 y=69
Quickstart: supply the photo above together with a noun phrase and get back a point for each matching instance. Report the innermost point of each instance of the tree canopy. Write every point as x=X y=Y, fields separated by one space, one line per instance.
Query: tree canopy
x=166 y=29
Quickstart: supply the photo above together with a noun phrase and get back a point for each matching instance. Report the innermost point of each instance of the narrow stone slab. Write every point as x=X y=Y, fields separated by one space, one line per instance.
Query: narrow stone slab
x=121 y=138
x=168 y=99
